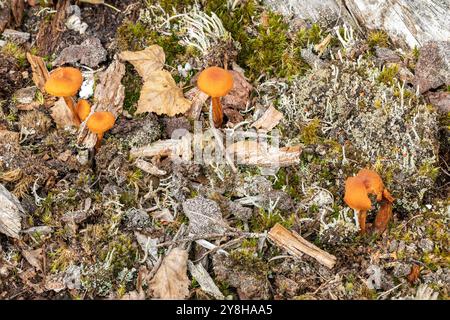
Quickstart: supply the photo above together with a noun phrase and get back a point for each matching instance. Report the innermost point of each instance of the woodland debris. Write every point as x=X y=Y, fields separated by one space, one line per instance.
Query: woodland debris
x=5 y=14
x=49 y=34
x=171 y=280
x=441 y=100
x=164 y=148
x=35 y=258
x=160 y=93
x=74 y=20
x=252 y=152
x=25 y=95
x=163 y=215
x=90 y=53
x=9 y=137
x=109 y=95
x=149 y=168
x=204 y=280
x=269 y=119
x=293 y=243
x=62 y=115
x=198 y=99
x=11 y=213
x=238 y=97
x=40 y=72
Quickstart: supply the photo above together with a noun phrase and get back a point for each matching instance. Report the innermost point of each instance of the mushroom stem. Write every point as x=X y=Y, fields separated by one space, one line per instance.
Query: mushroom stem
x=362 y=216
x=70 y=104
x=217 y=111
x=99 y=141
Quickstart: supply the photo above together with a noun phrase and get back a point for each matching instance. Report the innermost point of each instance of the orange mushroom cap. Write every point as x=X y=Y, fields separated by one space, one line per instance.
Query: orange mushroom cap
x=83 y=109
x=356 y=194
x=372 y=181
x=64 y=82
x=215 y=82
x=100 y=122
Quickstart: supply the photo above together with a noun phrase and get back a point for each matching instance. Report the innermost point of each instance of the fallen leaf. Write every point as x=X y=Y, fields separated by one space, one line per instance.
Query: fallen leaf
x=238 y=97
x=17 y=8
x=145 y=61
x=204 y=279
x=11 y=213
x=90 y=53
x=34 y=257
x=163 y=215
x=149 y=168
x=269 y=119
x=161 y=95
x=204 y=216
x=62 y=115
x=171 y=280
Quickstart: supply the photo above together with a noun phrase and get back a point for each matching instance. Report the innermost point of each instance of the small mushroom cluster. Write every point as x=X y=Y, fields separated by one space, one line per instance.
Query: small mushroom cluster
x=357 y=190
x=65 y=82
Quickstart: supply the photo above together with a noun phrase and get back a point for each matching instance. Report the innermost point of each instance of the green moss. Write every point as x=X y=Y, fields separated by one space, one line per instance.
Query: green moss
x=15 y=51
x=120 y=253
x=309 y=133
x=308 y=36
x=388 y=74
x=378 y=38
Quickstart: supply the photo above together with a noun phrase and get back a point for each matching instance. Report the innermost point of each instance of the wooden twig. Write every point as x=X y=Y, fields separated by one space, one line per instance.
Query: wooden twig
x=293 y=243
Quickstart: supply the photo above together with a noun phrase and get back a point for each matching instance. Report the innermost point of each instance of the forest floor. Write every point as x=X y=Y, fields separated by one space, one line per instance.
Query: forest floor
x=128 y=219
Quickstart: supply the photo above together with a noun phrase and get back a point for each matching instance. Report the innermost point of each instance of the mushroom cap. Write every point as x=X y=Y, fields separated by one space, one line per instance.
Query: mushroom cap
x=356 y=194
x=215 y=82
x=64 y=82
x=372 y=181
x=100 y=122
x=83 y=108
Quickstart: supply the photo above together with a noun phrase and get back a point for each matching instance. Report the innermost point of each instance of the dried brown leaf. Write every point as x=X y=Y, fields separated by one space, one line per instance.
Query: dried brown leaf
x=145 y=61
x=171 y=280
x=269 y=119
x=160 y=94
x=35 y=258
x=414 y=274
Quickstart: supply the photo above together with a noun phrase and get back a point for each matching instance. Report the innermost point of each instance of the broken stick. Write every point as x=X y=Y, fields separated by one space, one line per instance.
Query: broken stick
x=293 y=243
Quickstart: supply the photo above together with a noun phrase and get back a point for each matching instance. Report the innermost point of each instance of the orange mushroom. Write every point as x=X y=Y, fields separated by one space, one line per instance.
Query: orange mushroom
x=215 y=82
x=100 y=122
x=65 y=82
x=83 y=109
x=357 y=190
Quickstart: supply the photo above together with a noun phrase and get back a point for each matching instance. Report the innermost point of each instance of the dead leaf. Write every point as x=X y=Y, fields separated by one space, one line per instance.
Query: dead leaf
x=161 y=95
x=34 y=257
x=163 y=215
x=145 y=61
x=134 y=295
x=17 y=7
x=5 y=15
x=171 y=280
x=40 y=72
x=414 y=274
x=11 y=212
x=269 y=119
x=204 y=279
x=238 y=97
x=149 y=168
x=62 y=115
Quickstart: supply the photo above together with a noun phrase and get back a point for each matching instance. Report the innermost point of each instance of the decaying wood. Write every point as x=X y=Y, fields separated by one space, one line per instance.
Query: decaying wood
x=11 y=213
x=164 y=148
x=108 y=96
x=17 y=7
x=269 y=119
x=293 y=243
x=149 y=168
x=256 y=153
x=49 y=34
x=198 y=99
x=40 y=72
x=5 y=14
